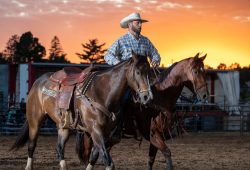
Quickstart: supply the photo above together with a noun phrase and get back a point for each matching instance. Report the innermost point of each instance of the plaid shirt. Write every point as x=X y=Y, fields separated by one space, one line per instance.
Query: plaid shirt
x=122 y=49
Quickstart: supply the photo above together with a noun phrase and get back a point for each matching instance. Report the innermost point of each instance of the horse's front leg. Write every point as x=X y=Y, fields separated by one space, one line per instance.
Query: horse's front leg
x=157 y=140
x=99 y=141
x=151 y=156
x=93 y=158
x=63 y=136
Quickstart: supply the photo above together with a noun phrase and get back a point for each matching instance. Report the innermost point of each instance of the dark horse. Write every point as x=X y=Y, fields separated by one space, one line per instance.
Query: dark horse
x=96 y=102
x=156 y=121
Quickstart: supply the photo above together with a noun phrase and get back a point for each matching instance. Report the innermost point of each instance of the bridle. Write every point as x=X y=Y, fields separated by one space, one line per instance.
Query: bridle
x=196 y=89
x=138 y=90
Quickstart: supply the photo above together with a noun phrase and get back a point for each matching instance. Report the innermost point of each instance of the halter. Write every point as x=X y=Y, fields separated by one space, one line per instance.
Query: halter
x=194 y=84
x=144 y=90
x=138 y=90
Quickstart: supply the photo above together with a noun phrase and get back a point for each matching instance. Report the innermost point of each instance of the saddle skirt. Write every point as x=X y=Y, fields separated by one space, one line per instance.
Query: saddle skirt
x=65 y=81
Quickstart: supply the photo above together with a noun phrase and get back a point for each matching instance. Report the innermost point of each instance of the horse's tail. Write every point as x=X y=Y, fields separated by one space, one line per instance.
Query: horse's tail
x=83 y=146
x=22 y=137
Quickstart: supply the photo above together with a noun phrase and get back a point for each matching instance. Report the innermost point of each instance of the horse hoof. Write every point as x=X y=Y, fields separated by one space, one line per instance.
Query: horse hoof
x=149 y=168
x=90 y=167
x=109 y=168
x=28 y=168
x=29 y=165
x=63 y=165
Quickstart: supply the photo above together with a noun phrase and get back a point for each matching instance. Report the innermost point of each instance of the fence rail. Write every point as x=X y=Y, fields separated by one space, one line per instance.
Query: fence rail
x=197 y=118
x=211 y=117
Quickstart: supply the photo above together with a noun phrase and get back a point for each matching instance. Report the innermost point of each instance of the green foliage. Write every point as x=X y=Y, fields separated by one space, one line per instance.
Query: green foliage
x=10 y=49
x=56 y=54
x=3 y=60
x=28 y=49
x=92 y=52
x=222 y=66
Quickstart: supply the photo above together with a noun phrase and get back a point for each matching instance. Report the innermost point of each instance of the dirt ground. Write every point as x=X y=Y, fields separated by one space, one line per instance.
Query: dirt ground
x=200 y=151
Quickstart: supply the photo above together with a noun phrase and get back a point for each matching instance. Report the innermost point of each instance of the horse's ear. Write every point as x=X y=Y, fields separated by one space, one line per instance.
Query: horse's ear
x=196 y=57
x=203 y=57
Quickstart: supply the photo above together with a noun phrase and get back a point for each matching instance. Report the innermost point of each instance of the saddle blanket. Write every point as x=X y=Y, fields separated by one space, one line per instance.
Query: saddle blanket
x=49 y=92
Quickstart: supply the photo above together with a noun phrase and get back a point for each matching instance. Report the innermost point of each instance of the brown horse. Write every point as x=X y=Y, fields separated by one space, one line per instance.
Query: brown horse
x=156 y=121
x=96 y=103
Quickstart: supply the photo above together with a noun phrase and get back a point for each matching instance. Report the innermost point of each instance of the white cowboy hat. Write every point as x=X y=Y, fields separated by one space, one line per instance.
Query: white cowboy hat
x=132 y=17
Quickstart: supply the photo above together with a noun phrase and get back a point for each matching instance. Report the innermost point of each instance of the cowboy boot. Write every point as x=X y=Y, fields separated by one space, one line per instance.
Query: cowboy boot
x=138 y=135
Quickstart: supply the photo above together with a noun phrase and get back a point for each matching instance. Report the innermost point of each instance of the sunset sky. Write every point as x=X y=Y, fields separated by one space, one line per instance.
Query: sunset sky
x=177 y=28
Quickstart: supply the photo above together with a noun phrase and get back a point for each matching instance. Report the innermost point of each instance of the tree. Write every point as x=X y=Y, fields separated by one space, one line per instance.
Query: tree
x=235 y=66
x=56 y=52
x=208 y=67
x=2 y=59
x=10 y=49
x=29 y=49
x=92 y=52
x=222 y=66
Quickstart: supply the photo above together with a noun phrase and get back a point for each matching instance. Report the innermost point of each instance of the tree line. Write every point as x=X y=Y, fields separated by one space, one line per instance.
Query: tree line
x=27 y=48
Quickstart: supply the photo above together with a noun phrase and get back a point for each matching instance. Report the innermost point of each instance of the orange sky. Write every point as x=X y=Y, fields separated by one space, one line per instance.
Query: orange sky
x=177 y=28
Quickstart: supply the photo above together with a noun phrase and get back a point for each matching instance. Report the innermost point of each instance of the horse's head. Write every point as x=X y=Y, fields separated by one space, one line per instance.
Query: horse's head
x=138 y=80
x=196 y=75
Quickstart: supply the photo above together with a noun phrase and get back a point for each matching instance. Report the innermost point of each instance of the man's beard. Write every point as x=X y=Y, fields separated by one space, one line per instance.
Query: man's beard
x=136 y=30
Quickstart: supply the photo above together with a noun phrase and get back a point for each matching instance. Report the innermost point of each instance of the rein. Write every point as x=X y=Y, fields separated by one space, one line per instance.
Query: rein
x=156 y=75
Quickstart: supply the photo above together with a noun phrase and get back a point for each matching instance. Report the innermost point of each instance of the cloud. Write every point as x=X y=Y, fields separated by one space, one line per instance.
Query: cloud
x=19 y=4
x=242 y=18
x=172 y=5
x=27 y=8
x=80 y=8
x=95 y=8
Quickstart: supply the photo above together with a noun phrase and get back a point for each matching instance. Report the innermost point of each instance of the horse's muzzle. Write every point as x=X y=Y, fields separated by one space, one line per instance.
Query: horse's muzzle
x=203 y=96
x=145 y=96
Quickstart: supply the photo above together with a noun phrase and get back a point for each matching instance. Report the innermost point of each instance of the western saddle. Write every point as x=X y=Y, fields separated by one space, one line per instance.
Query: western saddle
x=66 y=80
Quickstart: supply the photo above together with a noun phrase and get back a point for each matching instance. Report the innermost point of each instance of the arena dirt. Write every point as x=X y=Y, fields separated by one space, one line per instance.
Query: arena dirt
x=200 y=151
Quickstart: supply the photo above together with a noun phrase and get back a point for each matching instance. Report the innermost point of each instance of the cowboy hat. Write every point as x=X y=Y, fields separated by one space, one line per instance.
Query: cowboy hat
x=132 y=17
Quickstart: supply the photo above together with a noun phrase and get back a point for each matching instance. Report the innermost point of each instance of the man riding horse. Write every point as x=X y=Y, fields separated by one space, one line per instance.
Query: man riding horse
x=122 y=48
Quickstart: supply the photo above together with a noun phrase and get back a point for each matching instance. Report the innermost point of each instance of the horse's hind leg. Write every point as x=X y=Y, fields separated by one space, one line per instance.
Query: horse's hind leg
x=63 y=136
x=34 y=124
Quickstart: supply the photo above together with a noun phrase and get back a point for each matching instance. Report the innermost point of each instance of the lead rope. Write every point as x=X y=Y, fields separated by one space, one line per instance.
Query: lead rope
x=156 y=75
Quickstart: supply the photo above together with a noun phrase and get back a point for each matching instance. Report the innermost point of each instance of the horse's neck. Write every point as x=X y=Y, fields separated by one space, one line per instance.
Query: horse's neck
x=174 y=79
x=171 y=87
x=112 y=84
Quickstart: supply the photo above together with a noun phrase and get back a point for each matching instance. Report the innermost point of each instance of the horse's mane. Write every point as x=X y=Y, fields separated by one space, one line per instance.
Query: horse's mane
x=166 y=72
x=123 y=62
x=114 y=66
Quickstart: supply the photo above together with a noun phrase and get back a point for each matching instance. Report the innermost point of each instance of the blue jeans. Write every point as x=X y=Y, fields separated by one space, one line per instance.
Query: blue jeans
x=120 y=115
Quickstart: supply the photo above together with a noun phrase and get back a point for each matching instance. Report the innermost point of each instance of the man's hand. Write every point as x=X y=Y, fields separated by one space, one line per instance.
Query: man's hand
x=154 y=64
